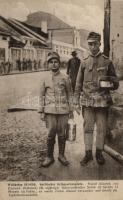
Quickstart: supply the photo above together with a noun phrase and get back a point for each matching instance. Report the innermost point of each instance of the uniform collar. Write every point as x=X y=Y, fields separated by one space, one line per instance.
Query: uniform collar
x=99 y=53
x=55 y=73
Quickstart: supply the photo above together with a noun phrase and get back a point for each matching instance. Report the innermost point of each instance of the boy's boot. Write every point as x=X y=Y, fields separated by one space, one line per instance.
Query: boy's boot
x=50 y=149
x=62 y=158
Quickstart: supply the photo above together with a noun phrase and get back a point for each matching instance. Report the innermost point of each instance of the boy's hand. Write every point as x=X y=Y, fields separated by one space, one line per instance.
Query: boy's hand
x=78 y=109
x=71 y=116
x=42 y=116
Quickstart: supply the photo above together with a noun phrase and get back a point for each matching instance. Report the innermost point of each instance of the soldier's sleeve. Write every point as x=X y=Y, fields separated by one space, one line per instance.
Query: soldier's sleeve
x=42 y=98
x=69 y=93
x=113 y=76
x=79 y=83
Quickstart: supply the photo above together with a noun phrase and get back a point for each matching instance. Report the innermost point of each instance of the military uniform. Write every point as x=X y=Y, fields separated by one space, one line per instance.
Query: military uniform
x=55 y=95
x=95 y=100
x=92 y=70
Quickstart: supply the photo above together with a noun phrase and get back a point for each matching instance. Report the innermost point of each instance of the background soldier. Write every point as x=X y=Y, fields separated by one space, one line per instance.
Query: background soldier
x=35 y=65
x=29 y=64
x=39 y=64
x=2 y=67
x=55 y=97
x=73 y=67
x=24 y=64
x=8 y=66
x=96 y=97
x=18 y=64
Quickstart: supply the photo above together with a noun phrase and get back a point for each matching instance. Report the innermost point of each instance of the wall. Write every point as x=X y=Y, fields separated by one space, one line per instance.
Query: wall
x=115 y=135
x=116 y=35
x=63 y=49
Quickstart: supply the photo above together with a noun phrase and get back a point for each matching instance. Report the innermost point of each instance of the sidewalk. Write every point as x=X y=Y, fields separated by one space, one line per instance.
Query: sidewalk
x=74 y=153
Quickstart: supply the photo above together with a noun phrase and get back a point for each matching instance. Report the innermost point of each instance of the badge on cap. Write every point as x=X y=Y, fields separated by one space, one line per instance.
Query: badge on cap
x=93 y=36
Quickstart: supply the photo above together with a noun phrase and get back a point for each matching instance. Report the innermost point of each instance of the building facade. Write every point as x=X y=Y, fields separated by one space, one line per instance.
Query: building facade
x=33 y=43
x=114 y=18
x=64 y=41
x=4 y=45
x=21 y=42
x=63 y=38
x=116 y=34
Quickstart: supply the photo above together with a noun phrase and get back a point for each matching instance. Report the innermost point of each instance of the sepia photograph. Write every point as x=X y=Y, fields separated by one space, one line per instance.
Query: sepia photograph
x=61 y=90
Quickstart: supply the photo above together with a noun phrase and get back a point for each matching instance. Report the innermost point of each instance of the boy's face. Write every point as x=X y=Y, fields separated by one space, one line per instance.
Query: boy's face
x=94 y=47
x=54 y=64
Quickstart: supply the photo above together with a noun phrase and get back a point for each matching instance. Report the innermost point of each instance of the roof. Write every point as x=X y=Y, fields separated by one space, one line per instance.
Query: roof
x=20 y=29
x=53 y=22
x=15 y=28
x=4 y=32
x=35 y=29
x=61 y=31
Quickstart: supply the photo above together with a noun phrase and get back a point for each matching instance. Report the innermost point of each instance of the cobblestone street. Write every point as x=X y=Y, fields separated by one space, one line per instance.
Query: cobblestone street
x=23 y=141
x=22 y=145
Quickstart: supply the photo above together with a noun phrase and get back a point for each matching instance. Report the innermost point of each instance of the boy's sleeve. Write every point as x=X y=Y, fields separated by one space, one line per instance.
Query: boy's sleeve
x=42 y=98
x=69 y=93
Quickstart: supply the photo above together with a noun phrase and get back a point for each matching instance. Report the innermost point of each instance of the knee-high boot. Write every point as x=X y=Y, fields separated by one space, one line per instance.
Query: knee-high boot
x=62 y=158
x=50 y=149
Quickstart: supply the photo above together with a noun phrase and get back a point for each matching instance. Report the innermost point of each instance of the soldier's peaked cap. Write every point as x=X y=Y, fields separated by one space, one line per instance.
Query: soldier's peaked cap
x=93 y=36
x=52 y=55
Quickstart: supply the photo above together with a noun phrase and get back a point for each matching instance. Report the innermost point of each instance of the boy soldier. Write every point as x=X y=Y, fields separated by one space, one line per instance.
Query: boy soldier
x=95 y=100
x=55 y=108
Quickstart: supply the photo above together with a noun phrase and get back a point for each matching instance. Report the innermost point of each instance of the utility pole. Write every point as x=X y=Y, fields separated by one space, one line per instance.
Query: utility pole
x=106 y=31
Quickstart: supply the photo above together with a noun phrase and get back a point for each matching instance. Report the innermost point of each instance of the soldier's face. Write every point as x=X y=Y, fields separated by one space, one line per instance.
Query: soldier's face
x=94 y=47
x=54 y=65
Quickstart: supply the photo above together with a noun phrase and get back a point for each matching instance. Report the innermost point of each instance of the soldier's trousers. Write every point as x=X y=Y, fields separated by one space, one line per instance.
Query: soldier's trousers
x=56 y=124
x=92 y=116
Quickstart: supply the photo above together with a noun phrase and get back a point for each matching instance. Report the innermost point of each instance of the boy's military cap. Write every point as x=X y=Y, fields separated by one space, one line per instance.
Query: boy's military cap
x=52 y=55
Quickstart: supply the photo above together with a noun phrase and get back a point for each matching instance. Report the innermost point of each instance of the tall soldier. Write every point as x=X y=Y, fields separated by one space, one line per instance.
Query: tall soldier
x=55 y=108
x=96 y=77
x=73 y=68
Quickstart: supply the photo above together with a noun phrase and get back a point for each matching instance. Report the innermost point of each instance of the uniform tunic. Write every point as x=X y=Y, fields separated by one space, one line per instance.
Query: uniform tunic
x=94 y=99
x=55 y=102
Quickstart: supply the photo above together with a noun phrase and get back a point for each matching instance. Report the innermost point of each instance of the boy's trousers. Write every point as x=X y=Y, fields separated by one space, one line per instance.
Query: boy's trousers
x=56 y=124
